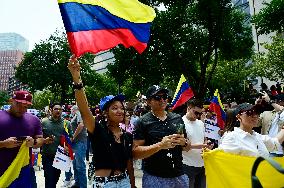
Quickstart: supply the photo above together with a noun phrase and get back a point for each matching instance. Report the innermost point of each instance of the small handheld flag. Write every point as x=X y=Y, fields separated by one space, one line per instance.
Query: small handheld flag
x=95 y=25
x=217 y=107
x=183 y=93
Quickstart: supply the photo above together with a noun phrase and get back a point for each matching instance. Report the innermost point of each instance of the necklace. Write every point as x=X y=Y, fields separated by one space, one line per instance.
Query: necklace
x=117 y=137
x=160 y=118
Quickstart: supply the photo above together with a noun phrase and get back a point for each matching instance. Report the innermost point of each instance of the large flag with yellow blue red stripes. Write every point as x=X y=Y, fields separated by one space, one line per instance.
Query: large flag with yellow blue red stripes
x=226 y=170
x=97 y=25
x=18 y=173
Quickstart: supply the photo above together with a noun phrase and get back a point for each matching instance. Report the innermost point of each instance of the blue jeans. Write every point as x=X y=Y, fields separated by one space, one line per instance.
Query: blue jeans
x=79 y=165
x=149 y=181
x=68 y=175
x=124 y=183
x=51 y=174
x=33 y=176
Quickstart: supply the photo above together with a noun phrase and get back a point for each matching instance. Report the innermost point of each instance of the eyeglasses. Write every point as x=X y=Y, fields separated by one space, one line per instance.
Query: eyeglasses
x=251 y=113
x=159 y=97
x=58 y=109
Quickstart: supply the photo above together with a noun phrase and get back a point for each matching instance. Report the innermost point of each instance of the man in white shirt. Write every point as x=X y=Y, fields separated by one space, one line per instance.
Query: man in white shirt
x=271 y=122
x=192 y=161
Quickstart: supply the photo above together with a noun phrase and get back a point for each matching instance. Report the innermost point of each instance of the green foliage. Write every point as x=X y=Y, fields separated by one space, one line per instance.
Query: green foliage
x=230 y=78
x=189 y=38
x=45 y=67
x=101 y=86
x=270 y=18
x=4 y=97
x=42 y=99
x=271 y=64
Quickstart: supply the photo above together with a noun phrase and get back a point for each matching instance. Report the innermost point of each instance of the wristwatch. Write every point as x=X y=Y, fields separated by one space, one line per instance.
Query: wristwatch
x=77 y=86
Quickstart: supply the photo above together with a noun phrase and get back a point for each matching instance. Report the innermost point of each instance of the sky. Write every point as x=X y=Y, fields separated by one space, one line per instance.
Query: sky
x=35 y=20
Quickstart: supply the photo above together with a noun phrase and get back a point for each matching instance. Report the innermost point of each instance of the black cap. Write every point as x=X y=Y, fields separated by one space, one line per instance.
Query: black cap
x=153 y=90
x=246 y=106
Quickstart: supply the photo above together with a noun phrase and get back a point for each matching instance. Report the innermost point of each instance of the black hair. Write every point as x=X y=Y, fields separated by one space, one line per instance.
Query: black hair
x=195 y=103
x=53 y=104
x=107 y=105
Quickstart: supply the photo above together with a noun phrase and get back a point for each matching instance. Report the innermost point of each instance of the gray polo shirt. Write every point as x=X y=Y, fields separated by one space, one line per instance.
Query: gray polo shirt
x=75 y=121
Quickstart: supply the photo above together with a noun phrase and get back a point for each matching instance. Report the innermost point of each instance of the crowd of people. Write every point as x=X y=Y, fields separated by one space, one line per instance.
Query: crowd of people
x=119 y=135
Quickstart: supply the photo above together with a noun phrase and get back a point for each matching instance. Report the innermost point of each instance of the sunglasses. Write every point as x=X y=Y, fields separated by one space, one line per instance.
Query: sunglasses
x=159 y=97
x=197 y=113
x=57 y=109
x=250 y=113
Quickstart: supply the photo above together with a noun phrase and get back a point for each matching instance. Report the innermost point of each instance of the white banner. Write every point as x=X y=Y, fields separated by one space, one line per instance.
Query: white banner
x=211 y=129
x=61 y=160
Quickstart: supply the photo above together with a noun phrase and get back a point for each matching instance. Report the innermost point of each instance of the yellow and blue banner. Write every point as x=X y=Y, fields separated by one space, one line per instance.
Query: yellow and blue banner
x=18 y=173
x=217 y=107
x=183 y=93
x=226 y=170
x=97 y=25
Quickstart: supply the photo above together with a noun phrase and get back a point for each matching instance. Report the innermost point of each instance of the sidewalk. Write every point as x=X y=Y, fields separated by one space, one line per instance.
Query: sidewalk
x=40 y=178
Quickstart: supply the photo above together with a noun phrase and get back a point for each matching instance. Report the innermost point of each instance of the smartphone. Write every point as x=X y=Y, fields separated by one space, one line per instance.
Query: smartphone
x=180 y=128
x=21 y=138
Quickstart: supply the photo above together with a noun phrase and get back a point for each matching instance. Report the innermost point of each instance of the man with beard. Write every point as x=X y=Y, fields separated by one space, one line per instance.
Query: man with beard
x=53 y=128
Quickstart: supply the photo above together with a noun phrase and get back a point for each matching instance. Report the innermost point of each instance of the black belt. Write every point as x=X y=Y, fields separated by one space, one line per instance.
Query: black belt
x=114 y=178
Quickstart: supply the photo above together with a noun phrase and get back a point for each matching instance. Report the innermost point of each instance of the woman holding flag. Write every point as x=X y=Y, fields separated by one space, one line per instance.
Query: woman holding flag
x=112 y=146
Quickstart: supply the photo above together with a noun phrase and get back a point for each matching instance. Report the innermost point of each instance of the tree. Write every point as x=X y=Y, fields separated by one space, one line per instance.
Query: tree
x=42 y=99
x=45 y=67
x=270 y=64
x=230 y=78
x=270 y=18
x=4 y=97
x=190 y=38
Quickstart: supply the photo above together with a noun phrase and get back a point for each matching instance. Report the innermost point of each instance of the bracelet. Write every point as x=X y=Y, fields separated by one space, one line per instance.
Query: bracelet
x=77 y=86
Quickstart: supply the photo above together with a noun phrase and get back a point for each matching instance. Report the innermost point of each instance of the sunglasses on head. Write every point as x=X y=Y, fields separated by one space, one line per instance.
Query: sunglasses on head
x=159 y=97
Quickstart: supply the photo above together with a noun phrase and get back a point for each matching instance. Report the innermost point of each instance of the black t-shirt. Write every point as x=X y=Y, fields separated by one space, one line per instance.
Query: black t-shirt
x=166 y=163
x=108 y=154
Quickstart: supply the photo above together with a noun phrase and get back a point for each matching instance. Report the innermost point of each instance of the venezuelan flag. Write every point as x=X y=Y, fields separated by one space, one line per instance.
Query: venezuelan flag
x=66 y=141
x=18 y=173
x=183 y=93
x=225 y=170
x=97 y=25
x=217 y=107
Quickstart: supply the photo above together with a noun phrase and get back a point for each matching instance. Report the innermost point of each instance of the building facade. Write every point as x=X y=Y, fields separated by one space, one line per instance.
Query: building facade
x=9 y=59
x=13 y=41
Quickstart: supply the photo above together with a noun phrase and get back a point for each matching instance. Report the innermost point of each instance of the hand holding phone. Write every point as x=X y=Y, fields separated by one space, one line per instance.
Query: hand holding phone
x=21 y=138
x=180 y=128
x=49 y=139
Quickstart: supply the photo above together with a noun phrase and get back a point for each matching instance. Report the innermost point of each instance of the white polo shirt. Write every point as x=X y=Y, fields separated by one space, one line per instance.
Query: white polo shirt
x=195 y=133
x=244 y=143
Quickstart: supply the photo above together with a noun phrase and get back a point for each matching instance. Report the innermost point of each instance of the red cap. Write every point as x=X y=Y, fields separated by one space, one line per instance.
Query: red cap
x=22 y=97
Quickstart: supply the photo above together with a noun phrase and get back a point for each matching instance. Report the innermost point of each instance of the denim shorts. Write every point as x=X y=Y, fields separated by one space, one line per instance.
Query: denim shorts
x=123 y=183
x=149 y=181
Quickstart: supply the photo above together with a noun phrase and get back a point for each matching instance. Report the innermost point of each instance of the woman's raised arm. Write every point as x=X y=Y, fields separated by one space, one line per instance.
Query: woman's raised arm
x=81 y=99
